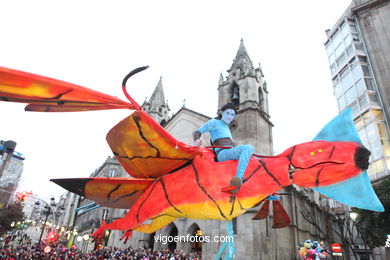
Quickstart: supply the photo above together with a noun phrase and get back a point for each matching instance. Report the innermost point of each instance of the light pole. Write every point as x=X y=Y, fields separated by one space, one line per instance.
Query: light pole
x=48 y=211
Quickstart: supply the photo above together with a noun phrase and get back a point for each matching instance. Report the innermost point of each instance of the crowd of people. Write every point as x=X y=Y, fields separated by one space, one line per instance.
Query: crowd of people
x=313 y=250
x=60 y=252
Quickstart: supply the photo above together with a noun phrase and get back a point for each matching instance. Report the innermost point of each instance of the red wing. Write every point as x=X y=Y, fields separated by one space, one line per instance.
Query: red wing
x=280 y=218
x=107 y=192
x=145 y=149
x=263 y=212
x=47 y=94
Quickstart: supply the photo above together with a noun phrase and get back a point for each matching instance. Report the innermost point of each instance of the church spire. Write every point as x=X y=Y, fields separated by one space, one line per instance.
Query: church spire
x=157 y=107
x=242 y=60
x=157 y=98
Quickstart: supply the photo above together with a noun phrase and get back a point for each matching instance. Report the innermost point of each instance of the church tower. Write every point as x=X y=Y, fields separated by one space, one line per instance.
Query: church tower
x=157 y=107
x=246 y=88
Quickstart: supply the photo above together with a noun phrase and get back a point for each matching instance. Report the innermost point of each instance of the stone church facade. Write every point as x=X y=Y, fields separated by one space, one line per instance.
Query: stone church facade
x=246 y=87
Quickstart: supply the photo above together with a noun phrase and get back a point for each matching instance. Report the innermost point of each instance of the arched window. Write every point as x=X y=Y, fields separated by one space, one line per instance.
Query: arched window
x=261 y=99
x=173 y=233
x=196 y=243
x=235 y=94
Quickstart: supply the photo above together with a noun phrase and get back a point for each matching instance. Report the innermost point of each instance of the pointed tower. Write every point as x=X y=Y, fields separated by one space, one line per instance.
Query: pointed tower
x=157 y=107
x=246 y=88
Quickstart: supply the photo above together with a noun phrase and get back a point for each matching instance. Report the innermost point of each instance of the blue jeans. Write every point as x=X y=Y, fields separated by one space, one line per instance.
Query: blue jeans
x=242 y=153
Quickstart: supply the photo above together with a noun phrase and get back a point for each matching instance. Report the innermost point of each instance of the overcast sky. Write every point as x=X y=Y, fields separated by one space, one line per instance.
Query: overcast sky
x=188 y=43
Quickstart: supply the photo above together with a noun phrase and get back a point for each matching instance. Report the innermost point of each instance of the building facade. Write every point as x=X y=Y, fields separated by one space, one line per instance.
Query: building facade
x=11 y=168
x=358 y=48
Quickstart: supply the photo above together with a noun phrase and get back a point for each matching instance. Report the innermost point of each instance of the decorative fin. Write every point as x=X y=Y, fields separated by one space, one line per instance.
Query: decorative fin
x=280 y=218
x=263 y=212
x=340 y=129
x=357 y=191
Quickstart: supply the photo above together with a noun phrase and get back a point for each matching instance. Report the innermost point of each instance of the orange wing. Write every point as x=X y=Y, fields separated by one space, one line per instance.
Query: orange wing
x=145 y=149
x=51 y=95
x=107 y=192
x=141 y=145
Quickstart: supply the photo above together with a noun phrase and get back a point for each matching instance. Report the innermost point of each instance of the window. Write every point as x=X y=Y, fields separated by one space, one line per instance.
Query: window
x=378 y=115
x=371 y=172
x=377 y=168
x=371 y=131
x=356 y=72
x=382 y=130
x=339 y=50
x=363 y=59
x=376 y=145
x=355 y=109
x=347 y=39
x=349 y=50
x=338 y=91
x=350 y=95
x=374 y=99
x=359 y=46
x=341 y=103
x=363 y=102
x=341 y=60
x=360 y=87
x=338 y=37
x=344 y=29
x=366 y=71
x=376 y=149
x=355 y=37
x=346 y=80
x=359 y=123
x=329 y=48
x=369 y=83
x=367 y=117
x=363 y=137
x=353 y=28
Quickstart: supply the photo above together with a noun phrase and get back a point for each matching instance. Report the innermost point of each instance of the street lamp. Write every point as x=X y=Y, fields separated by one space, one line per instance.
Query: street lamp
x=353 y=215
x=48 y=211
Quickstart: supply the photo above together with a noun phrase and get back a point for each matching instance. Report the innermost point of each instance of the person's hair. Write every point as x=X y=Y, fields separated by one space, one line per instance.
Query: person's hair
x=226 y=106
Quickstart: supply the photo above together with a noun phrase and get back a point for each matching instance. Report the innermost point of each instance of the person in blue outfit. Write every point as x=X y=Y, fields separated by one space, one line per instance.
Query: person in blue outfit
x=221 y=136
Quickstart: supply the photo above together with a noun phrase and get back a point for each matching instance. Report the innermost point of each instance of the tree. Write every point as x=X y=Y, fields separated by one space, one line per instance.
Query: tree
x=12 y=213
x=340 y=225
x=374 y=226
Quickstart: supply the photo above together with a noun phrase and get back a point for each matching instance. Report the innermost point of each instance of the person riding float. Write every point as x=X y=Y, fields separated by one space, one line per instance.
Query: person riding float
x=221 y=136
